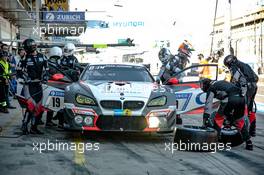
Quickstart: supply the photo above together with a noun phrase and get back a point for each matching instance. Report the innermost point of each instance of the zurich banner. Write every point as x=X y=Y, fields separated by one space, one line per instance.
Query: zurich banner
x=63 y=17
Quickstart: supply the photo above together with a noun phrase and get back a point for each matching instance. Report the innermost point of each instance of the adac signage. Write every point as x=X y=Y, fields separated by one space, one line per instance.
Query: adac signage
x=63 y=17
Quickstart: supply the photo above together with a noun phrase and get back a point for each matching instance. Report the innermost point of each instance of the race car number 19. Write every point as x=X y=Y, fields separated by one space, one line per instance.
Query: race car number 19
x=56 y=102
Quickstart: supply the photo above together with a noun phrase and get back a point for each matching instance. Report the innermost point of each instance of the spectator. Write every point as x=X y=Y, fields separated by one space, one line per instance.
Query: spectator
x=4 y=48
x=60 y=9
x=1 y=45
x=4 y=73
x=21 y=54
x=51 y=8
x=205 y=72
x=200 y=57
x=13 y=82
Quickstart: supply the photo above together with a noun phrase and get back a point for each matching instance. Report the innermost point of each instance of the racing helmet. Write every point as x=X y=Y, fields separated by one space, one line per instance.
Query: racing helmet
x=164 y=55
x=29 y=45
x=55 y=52
x=69 y=49
x=185 y=48
x=230 y=60
x=205 y=84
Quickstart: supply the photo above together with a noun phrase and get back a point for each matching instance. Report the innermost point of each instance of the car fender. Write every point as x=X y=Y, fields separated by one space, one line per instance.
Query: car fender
x=53 y=98
x=190 y=99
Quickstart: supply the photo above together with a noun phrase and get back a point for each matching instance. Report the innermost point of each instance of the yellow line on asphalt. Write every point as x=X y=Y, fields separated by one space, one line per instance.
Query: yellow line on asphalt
x=79 y=157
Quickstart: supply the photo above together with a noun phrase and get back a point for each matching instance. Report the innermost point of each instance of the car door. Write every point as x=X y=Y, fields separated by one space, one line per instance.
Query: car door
x=53 y=91
x=186 y=87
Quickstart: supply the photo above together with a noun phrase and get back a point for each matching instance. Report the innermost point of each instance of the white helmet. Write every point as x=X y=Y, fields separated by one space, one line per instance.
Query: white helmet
x=68 y=49
x=55 y=52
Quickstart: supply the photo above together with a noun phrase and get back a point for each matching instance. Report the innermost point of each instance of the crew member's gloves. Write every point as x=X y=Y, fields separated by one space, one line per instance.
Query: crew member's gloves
x=45 y=81
x=206 y=120
x=27 y=81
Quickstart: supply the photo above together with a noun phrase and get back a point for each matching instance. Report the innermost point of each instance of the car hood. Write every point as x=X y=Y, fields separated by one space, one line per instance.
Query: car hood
x=103 y=90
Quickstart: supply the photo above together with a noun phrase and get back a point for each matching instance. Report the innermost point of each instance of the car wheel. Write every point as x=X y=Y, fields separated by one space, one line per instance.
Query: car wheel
x=196 y=137
x=232 y=136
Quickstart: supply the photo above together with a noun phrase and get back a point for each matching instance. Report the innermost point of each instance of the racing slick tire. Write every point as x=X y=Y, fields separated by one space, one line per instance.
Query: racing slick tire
x=196 y=137
x=231 y=136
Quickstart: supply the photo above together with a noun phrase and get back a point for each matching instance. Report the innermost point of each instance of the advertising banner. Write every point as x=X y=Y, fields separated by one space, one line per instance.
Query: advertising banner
x=63 y=17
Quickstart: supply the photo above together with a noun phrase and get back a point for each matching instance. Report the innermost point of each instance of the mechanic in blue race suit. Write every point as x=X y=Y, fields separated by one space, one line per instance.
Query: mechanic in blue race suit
x=34 y=71
x=245 y=78
x=172 y=64
x=232 y=107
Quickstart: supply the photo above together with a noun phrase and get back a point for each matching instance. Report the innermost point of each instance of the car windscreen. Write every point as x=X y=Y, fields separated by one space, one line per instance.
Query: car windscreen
x=117 y=73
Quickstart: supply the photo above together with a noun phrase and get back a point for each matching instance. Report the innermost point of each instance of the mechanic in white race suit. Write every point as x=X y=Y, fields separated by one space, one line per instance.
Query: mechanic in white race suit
x=69 y=62
x=55 y=54
x=172 y=64
x=232 y=107
x=245 y=78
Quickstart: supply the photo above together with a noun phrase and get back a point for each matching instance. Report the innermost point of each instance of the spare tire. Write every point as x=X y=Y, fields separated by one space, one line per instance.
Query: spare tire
x=232 y=136
x=196 y=137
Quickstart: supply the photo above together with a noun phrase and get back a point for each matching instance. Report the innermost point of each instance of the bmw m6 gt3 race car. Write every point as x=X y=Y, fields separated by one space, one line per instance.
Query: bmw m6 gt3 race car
x=122 y=97
x=119 y=97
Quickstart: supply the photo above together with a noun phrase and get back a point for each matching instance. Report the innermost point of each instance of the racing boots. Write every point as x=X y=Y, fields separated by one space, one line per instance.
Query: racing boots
x=34 y=130
x=249 y=145
x=50 y=124
x=24 y=129
x=40 y=122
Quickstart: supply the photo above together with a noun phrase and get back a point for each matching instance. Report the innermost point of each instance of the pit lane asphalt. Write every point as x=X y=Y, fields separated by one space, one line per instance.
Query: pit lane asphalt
x=119 y=153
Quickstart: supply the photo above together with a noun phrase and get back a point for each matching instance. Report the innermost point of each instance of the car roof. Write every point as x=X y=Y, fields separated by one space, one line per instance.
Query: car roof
x=121 y=64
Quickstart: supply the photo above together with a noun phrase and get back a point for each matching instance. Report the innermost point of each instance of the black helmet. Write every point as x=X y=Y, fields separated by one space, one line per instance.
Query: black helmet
x=230 y=60
x=164 y=55
x=205 y=84
x=29 y=45
x=3 y=54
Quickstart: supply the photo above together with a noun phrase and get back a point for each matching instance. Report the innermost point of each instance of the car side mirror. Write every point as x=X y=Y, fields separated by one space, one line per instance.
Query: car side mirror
x=173 y=81
x=57 y=77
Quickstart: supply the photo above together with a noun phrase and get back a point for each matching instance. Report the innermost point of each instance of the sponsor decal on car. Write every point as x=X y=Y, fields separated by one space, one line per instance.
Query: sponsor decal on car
x=121 y=112
x=57 y=93
x=187 y=96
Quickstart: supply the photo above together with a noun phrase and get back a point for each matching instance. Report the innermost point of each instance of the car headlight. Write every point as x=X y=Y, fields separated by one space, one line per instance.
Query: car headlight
x=88 y=120
x=159 y=101
x=81 y=99
x=154 y=122
x=78 y=119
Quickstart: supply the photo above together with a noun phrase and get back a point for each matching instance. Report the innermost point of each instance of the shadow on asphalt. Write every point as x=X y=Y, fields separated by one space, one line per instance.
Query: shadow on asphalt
x=104 y=137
